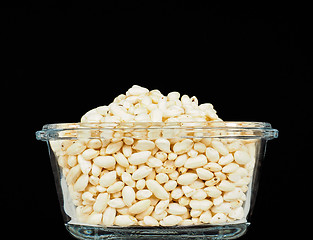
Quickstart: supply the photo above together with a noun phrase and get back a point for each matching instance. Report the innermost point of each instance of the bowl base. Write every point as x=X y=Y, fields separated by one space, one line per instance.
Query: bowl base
x=203 y=231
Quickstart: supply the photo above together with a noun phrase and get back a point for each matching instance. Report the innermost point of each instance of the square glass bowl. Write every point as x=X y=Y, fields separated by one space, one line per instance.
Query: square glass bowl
x=143 y=180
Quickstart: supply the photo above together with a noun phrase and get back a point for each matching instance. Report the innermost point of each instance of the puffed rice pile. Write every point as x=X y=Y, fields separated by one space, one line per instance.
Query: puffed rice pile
x=152 y=177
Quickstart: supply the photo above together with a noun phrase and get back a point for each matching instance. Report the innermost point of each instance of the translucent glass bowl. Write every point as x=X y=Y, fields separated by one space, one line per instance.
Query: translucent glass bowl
x=224 y=157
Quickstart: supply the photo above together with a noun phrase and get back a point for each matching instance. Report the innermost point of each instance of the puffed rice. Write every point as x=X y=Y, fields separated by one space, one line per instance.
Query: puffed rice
x=152 y=177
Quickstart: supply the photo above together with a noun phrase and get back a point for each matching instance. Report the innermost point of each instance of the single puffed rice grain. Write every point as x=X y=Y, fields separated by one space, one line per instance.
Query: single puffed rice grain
x=196 y=162
x=140 y=184
x=218 y=201
x=72 y=161
x=150 y=221
x=105 y=161
x=170 y=185
x=203 y=205
x=163 y=144
x=212 y=154
x=100 y=188
x=91 y=189
x=62 y=161
x=108 y=216
x=156 y=115
x=197 y=184
x=236 y=194
x=176 y=209
x=151 y=175
x=183 y=146
x=119 y=170
x=171 y=220
x=116 y=203
x=141 y=172
x=205 y=217
x=226 y=159
x=108 y=179
x=143 y=194
x=101 y=202
x=162 y=178
x=157 y=189
x=220 y=175
x=81 y=215
x=88 y=197
x=173 y=96
x=128 y=141
x=186 y=222
x=234 y=146
x=73 y=175
x=234 y=177
x=87 y=209
x=187 y=178
x=121 y=159
x=75 y=149
x=81 y=183
x=229 y=168
x=85 y=165
x=123 y=210
x=237 y=213
x=161 y=206
x=213 y=167
x=236 y=203
x=192 y=153
x=226 y=186
x=136 y=90
x=184 y=201
x=116 y=187
x=199 y=147
x=213 y=192
x=90 y=153
x=195 y=213
x=125 y=220
x=113 y=147
x=222 y=208
x=181 y=160
x=199 y=195
x=94 y=218
x=127 y=151
x=127 y=179
x=154 y=162
x=242 y=157
x=220 y=147
x=188 y=191
x=171 y=156
x=161 y=156
x=94 y=180
x=173 y=175
x=144 y=145
x=128 y=195
x=139 y=207
x=204 y=174
x=139 y=158
x=95 y=170
x=218 y=218
x=146 y=212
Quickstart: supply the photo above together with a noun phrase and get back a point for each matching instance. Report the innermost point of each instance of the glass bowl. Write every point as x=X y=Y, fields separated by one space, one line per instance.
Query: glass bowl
x=144 y=180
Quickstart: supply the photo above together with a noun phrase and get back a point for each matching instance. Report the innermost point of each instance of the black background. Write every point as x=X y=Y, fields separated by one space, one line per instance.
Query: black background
x=253 y=62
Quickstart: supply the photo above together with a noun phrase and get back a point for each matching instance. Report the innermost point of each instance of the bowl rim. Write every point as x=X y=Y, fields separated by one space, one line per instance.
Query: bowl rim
x=251 y=128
